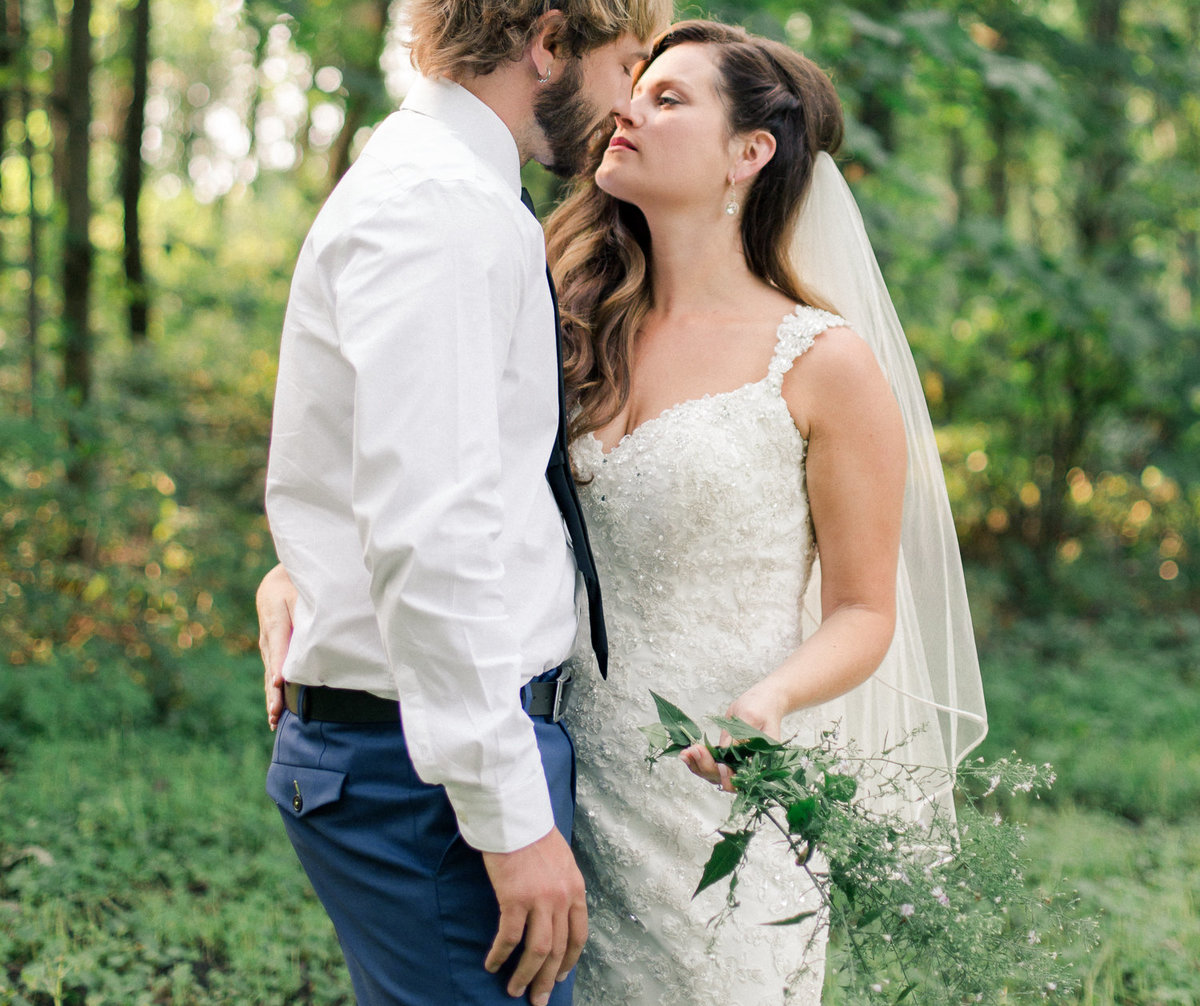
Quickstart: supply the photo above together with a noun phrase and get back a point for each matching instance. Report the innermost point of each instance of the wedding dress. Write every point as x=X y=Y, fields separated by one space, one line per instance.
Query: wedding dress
x=700 y=523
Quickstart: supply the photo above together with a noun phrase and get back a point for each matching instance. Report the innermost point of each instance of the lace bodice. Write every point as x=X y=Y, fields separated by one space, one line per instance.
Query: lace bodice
x=700 y=523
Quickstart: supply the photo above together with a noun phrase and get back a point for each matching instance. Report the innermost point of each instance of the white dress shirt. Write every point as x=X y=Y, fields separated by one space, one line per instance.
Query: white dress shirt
x=415 y=411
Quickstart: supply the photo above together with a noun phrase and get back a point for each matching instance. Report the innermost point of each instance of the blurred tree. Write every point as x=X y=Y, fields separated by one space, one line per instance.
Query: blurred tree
x=363 y=76
x=16 y=107
x=77 y=251
x=136 y=289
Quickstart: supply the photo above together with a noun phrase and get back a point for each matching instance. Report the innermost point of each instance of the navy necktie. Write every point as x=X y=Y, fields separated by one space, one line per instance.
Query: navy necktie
x=562 y=485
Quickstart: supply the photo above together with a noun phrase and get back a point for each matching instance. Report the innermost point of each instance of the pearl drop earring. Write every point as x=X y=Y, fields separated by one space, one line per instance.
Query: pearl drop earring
x=732 y=206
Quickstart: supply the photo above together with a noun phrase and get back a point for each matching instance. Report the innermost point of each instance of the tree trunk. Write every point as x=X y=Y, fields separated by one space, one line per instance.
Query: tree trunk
x=33 y=308
x=1107 y=159
x=879 y=117
x=359 y=102
x=77 y=248
x=131 y=173
x=10 y=45
x=1000 y=127
x=260 y=54
x=956 y=173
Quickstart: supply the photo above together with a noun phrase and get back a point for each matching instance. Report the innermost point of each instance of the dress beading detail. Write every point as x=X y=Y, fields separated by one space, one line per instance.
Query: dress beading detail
x=701 y=528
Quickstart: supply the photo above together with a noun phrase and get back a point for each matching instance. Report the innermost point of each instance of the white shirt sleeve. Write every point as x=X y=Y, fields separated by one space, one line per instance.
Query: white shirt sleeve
x=426 y=323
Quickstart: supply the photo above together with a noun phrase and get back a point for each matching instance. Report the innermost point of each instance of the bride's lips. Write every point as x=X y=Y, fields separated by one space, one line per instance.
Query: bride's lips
x=620 y=141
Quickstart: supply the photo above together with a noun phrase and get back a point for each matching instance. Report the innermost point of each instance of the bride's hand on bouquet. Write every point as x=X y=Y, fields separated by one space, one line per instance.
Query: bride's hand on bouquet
x=275 y=601
x=759 y=707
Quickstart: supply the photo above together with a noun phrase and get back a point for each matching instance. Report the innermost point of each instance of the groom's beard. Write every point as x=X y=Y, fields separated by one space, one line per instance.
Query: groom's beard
x=568 y=121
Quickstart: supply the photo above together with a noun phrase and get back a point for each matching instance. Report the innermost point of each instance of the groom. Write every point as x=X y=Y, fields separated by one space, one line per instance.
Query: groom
x=416 y=408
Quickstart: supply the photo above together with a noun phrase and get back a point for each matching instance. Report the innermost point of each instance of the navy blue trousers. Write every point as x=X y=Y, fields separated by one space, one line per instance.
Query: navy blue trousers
x=410 y=901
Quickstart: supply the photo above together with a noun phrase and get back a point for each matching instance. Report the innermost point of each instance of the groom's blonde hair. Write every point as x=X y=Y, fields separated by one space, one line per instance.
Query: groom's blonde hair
x=464 y=38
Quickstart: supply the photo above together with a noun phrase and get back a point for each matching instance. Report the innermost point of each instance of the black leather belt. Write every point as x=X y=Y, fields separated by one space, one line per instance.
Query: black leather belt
x=338 y=705
x=348 y=705
x=548 y=698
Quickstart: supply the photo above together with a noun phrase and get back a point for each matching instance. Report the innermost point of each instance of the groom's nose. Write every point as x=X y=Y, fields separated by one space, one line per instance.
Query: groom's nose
x=627 y=116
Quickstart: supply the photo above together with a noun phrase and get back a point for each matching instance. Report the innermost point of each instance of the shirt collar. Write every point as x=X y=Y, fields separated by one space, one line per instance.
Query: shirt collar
x=473 y=122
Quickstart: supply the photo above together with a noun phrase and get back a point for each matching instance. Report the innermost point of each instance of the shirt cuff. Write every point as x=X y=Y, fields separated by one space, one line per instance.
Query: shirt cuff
x=504 y=820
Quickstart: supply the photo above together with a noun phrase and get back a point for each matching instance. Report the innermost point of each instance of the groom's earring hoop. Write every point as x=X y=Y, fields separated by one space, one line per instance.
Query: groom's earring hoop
x=546 y=78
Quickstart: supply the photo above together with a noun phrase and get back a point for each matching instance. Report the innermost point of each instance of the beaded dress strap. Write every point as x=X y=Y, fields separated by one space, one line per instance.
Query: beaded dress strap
x=795 y=337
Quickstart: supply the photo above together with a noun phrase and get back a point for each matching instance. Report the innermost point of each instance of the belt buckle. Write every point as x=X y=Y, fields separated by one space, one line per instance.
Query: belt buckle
x=562 y=691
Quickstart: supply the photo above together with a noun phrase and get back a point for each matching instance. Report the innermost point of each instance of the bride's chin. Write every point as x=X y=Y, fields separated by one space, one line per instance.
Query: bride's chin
x=609 y=181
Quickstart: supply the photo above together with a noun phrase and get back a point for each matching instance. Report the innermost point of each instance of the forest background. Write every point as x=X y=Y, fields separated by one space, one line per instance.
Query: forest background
x=1030 y=173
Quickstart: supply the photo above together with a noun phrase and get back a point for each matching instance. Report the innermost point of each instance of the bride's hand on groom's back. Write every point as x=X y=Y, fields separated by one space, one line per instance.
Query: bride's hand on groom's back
x=275 y=601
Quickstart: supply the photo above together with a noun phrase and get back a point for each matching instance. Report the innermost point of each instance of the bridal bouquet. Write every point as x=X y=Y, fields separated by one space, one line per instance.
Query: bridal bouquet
x=929 y=908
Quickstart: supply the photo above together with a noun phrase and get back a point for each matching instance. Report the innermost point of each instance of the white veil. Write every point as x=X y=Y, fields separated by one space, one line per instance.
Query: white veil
x=929 y=681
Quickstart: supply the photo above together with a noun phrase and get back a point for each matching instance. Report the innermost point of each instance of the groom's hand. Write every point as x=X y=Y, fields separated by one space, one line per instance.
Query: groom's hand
x=542 y=902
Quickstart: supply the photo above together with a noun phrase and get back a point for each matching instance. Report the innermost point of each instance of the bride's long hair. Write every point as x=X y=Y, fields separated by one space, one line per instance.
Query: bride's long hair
x=598 y=246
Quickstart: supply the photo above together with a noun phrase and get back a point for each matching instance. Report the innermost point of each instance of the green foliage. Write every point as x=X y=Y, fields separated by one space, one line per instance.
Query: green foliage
x=1143 y=882
x=133 y=578
x=135 y=869
x=929 y=909
x=1113 y=705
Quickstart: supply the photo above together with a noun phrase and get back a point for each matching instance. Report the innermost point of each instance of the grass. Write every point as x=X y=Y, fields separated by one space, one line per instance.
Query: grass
x=1143 y=883
x=144 y=864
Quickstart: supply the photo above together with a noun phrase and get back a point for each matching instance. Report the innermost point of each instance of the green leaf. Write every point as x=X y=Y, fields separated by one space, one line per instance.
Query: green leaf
x=726 y=856
x=800 y=814
x=904 y=994
x=867 y=918
x=793 y=920
x=679 y=725
x=740 y=730
x=657 y=734
x=661 y=745
x=840 y=787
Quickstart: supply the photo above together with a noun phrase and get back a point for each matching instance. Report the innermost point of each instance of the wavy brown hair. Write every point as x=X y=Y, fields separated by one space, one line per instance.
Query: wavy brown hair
x=598 y=246
x=462 y=38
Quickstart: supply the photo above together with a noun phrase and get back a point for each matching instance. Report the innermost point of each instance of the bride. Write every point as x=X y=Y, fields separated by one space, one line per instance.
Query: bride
x=728 y=430
x=763 y=495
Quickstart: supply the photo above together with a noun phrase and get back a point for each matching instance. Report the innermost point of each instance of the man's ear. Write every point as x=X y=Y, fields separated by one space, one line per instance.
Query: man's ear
x=752 y=152
x=546 y=43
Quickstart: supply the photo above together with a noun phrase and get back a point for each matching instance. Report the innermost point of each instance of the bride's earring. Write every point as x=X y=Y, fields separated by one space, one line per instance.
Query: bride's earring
x=731 y=204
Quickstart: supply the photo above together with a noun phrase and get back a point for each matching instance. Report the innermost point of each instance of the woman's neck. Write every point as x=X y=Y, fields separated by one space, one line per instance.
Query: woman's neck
x=697 y=265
